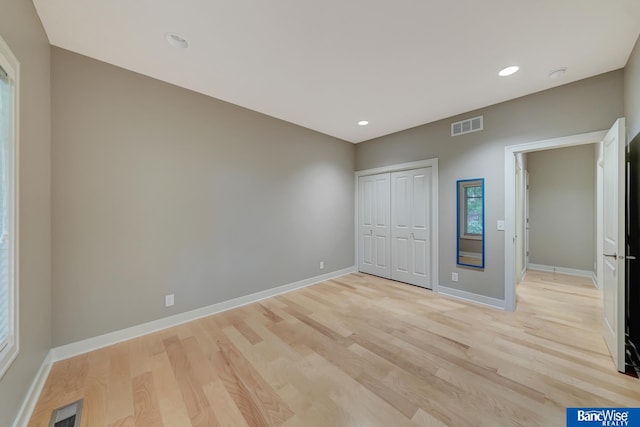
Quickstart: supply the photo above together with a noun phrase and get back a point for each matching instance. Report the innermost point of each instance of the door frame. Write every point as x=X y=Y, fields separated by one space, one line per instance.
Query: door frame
x=519 y=218
x=427 y=163
x=526 y=221
x=509 y=200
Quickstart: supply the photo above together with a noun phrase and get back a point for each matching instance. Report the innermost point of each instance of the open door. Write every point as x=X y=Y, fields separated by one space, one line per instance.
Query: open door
x=614 y=244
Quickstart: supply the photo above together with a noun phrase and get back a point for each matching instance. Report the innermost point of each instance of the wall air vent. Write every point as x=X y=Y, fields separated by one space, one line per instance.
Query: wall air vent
x=467 y=126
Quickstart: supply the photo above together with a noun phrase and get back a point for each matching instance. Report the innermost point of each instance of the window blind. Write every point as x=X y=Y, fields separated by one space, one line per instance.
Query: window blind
x=5 y=134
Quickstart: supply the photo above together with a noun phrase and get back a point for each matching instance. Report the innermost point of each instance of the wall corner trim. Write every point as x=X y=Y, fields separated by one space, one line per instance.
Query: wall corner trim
x=471 y=297
x=33 y=394
x=84 y=346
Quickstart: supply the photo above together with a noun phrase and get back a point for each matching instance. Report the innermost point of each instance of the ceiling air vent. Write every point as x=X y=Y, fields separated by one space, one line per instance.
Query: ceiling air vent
x=466 y=126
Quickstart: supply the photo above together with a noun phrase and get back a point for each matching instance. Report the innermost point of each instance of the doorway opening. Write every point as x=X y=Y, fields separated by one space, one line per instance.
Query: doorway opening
x=610 y=227
x=556 y=211
x=511 y=153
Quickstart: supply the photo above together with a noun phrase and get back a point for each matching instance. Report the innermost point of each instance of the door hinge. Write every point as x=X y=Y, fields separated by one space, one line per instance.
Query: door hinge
x=627 y=157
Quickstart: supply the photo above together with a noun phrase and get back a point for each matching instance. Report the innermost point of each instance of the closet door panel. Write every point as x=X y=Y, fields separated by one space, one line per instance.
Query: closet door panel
x=410 y=204
x=374 y=218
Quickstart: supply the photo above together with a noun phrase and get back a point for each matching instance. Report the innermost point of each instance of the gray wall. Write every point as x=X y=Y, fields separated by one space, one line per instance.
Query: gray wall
x=588 y=105
x=160 y=190
x=20 y=27
x=562 y=198
x=632 y=92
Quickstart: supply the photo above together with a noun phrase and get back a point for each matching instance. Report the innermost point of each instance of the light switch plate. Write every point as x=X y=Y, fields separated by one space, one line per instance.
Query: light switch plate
x=500 y=225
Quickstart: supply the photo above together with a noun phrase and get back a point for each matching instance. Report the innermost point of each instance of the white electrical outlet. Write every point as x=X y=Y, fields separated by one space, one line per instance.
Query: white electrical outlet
x=321 y=265
x=169 y=300
x=454 y=277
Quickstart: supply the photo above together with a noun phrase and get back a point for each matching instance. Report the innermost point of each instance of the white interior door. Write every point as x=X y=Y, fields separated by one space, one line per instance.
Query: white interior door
x=410 y=231
x=613 y=242
x=374 y=219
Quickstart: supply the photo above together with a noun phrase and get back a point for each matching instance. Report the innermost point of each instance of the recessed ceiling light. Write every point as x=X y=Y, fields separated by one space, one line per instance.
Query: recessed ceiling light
x=363 y=122
x=176 y=40
x=556 y=74
x=508 y=71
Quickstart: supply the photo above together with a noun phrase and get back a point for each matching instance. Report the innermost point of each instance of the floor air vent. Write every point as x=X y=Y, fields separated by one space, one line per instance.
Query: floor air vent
x=67 y=416
x=466 y=126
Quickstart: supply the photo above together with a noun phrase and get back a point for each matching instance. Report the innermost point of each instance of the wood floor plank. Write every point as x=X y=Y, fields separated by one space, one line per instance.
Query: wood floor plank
x=357 y=350
x=170 y=398
x=248 y=407
x=120 y=409
x=145 y=401
x=94 y=408
x=270 y=405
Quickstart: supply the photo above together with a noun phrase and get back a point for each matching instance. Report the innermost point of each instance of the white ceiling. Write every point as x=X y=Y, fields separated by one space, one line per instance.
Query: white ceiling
x=326 y=64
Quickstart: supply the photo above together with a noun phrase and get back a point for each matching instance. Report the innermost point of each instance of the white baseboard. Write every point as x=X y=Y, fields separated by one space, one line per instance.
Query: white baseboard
x=33 y=394
x=94 y=343
x=561 y=270
x=471 y=297
x=594 y=279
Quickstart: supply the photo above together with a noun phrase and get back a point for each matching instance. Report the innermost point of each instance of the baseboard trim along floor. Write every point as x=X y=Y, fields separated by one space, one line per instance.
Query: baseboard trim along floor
x=90 y=344
x=564 y=270
x=33 y=394
x=471 y=297
x=84 y=346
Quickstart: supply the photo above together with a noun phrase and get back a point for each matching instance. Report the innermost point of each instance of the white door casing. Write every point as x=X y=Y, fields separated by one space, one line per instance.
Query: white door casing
x=526 y=222
x=374 y=231
x=410 y=226
x=519 y=219
x=613 y=291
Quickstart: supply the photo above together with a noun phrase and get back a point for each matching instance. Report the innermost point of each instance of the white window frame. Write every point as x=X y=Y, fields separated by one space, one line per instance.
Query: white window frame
x=10 y=351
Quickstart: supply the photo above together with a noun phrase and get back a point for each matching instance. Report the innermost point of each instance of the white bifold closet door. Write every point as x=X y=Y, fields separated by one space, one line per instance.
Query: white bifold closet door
x=374 y=225
x=410 y=231
x=394 y=225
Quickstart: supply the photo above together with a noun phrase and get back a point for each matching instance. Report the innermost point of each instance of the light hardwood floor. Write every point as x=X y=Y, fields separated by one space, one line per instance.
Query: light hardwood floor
x=357 y=351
